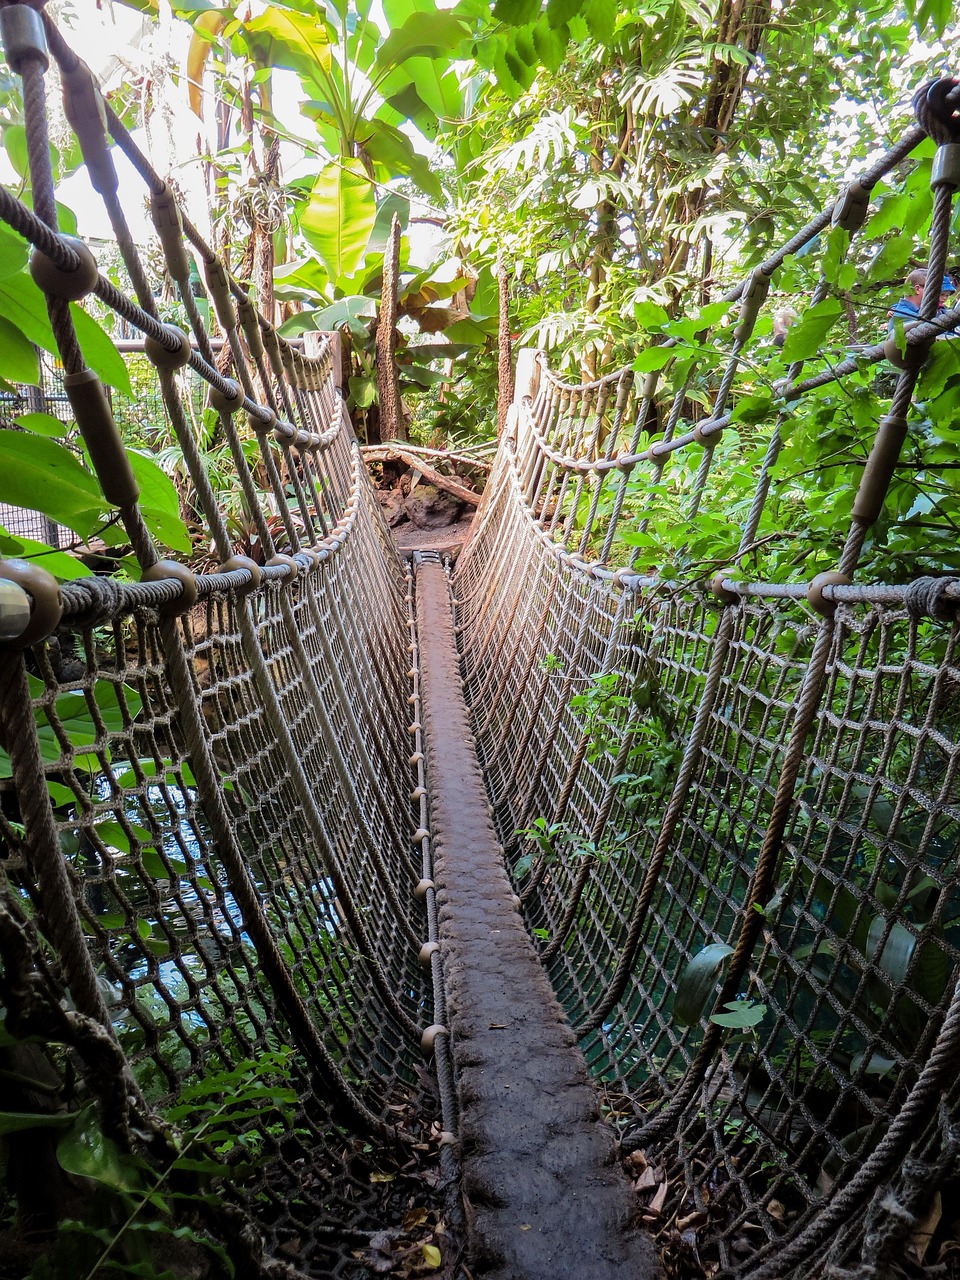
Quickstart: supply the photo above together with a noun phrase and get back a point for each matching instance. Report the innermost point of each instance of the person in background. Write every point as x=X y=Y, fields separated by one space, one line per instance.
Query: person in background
x=908 y=308
x=783 y=318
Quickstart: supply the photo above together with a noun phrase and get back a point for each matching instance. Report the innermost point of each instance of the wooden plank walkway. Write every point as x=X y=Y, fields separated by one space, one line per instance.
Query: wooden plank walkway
x=545 y=1198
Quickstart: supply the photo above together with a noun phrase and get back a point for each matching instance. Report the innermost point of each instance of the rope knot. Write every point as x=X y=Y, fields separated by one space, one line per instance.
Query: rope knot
x=936 y=111
x=92 y=602
x=928 y=598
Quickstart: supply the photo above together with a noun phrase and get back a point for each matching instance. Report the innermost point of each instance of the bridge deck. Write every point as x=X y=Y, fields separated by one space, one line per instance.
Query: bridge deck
x=543 y=1192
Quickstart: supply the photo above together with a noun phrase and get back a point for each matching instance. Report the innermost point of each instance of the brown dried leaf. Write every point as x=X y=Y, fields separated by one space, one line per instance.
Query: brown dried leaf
x=656 y=1204
x=920 y=1240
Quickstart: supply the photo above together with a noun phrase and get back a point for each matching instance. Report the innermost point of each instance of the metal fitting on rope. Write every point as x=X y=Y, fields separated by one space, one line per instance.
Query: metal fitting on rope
x=21 y=29
x=165 y=357
x=167 y=223
x=228 y=401
x=84 y=107
x=914 y=354
x=288 y=362
x=91 y=408
x=429 y=1038
x=284 y=432
x=58 y=282
x=877 y=474
x=723 y=593
x=279 y=558
x=30 y=603
x=815 y=597
x=251 y=328
x=258 y=425
x=707 y=432
x=751 y=300
x=272 y=346
x=427 y=952
x=218 y=286
x=165 y=570
x=244 y=562
x=850 y=211
x=945 y=171
x=935 y=113
x=422 y=888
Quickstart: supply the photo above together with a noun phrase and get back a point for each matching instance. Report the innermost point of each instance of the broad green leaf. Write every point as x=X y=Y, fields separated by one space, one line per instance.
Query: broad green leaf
x=894 y=959
x=363 y=391
x=340 y=216
x=653 y=358
x=60 y=563
x=742 y=1015
x=21 y=302
x=87 y=1152
x=805 y=338
x=289 y=39
x=386 y=145
x=42 y=424
x=160 y=502
x=42 y=475
x=114 y=835
x=518 y=13
x=348 y=312
x=698 y=982
x=15 y=145
x=99 y=352
x=422 y=35
x=19 y=361
x=13 y=252
x=600 y=17
x=18 y=1121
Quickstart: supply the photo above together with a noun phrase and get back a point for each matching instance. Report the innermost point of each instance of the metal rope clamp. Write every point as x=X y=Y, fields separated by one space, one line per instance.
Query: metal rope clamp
x=30 y=604
x=244 y=562
x=24 y=38
x=70 y=284
x=168 y=357
x=172 y=570
x=815 y=597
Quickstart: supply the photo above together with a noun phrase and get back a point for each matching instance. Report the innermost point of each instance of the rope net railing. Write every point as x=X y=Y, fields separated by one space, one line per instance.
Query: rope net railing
x=730 y=800
x=212 y=808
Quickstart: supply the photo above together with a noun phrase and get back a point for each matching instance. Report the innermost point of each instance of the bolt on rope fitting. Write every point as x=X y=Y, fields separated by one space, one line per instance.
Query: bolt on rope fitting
x=945 y=170
x=91 y=408
x=935 y=110
x=30 y=603
x=165 y=215
x=751 y=300
x=723 y=593
x=85 y=110
x=250 y=325
x=228 y=401
x=815 y=597
x=244 y=562
x=850 y=211
x=877 y=474
x=280 y=558
x=218 y=286
x=168 y=357
x=24 y=38
x=163 y=571
x=58 y=282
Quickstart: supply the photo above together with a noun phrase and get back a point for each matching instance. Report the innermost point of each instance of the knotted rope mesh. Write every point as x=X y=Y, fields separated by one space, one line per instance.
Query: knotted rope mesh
x=732 y=811
x=213 y=813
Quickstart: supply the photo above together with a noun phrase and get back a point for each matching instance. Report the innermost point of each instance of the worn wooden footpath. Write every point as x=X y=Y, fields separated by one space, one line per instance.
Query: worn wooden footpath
x=544 y=1196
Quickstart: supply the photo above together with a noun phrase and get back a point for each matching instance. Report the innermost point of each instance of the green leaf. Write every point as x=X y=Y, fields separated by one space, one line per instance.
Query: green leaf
x=518 y=13
x=698 y=982
x=99 y=352
x=86 y=1152
x=13 y=252
x=428 y=35
x=805 y=338
x=60 y=563
x=285 y=38
x=42 y=424
x=743 y=1015
x=340 y=216
x=160 y=502
x=19 y=361
x=43 y=475
x=600 y=17
x=653 y=358
x=18 y=1121
x=21 y=302
x=389 y=147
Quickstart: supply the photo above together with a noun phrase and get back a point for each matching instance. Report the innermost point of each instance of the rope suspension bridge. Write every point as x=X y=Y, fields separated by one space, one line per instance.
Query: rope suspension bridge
x=339 y=892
